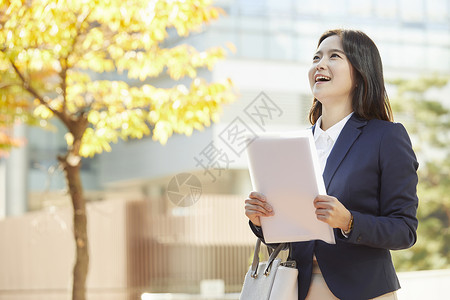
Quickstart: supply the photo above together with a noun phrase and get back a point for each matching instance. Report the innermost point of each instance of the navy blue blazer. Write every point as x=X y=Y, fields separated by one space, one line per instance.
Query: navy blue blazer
x=372 y=171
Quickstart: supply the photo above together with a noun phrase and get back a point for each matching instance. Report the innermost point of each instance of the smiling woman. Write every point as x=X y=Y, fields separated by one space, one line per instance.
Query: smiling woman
x=331 y=78
x=369 y=171
x=362 y=56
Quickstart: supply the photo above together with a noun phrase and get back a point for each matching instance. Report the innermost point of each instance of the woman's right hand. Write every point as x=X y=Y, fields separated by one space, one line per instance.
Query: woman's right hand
x=256 y=206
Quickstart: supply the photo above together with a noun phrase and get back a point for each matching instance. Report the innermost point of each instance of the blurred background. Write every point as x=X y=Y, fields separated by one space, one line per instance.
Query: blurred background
x=147 y=239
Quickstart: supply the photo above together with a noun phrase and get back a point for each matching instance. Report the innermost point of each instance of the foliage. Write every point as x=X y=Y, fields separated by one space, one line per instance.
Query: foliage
x=428 y=122
x=56 y=49
x=12 y=109
x=57 y=58
x=9 y=111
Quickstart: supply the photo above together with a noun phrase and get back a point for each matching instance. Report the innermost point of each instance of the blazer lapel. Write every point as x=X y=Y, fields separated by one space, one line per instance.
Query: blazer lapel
x=347 y=137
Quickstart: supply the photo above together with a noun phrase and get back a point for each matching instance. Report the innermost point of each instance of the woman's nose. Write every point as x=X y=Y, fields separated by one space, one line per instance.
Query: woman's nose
x=321 y=65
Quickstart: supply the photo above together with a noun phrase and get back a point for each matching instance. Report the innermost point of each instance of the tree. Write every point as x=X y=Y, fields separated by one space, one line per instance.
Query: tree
x=57 y=52
x=7 y=117
x=428 y=122
x=11 y=111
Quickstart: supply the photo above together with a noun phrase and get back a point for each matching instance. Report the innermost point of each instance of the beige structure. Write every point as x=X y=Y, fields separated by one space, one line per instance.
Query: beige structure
x=135 y=247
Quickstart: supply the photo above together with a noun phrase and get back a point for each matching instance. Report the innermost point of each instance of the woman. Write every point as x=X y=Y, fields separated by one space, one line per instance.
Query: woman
x=369 y=170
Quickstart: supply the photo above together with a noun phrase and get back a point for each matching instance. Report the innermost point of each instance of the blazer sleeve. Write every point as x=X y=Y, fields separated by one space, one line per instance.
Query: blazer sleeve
x=257 y=230
x=396 y=224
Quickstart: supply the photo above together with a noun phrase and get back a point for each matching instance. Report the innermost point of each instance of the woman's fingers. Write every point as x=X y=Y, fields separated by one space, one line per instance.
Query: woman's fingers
x=256 y=206
x=258 y=199
x=331 y=211
x=323 y=207
x=259 y=196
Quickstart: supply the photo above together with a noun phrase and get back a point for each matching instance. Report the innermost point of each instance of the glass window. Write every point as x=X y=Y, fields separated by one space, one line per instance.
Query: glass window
x=277 y=23
x=281 y=46
x=281 y=41
x=437 y=10
x=324 y=7
x=360 y=9
x=310 y=28
x=252 y=23
x=391 y=55
x=305 y=47
x=307 y=7
x=412 y=35
x=438 y=37
x=252 y=45
x=438 y=58
x=251 y=7
x=413 y=57
x=251 y=41
x=385 y=33
x=332 y=8
x=279 y=7
x=412 y=10
x=386 y=9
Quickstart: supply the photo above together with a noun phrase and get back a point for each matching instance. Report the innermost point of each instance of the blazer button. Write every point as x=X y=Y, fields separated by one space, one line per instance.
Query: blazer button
x=358 y=239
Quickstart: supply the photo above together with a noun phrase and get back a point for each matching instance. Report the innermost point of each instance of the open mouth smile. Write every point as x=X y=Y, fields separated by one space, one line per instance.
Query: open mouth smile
x=322 y=78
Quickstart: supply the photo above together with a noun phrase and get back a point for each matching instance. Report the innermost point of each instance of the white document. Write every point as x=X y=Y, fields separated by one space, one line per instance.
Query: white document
x=285 y=168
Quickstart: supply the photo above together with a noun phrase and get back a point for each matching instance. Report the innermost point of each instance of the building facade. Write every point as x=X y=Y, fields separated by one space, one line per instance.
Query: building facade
x=274 y=41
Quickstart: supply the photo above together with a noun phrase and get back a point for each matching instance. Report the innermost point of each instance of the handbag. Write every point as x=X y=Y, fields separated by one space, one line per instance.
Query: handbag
x=272 y=279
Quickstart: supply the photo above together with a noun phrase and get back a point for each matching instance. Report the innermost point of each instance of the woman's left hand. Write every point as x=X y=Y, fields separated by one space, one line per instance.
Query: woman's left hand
x=332 y=212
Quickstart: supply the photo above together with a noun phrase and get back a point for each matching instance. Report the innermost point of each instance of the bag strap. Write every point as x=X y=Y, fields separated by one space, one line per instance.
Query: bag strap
x=272 y=257
x=255 y=263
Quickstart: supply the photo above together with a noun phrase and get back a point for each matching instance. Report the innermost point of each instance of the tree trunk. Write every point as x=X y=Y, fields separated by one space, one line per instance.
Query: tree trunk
x=81 y=267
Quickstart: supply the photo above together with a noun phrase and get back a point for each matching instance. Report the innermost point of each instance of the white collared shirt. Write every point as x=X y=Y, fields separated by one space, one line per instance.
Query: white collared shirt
x=325 y=140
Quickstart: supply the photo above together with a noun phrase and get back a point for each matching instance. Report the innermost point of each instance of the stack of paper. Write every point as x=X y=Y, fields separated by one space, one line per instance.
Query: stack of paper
x=285 y=168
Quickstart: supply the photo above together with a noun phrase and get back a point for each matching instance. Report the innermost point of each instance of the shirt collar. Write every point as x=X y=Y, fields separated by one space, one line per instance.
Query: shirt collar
x=334 y=131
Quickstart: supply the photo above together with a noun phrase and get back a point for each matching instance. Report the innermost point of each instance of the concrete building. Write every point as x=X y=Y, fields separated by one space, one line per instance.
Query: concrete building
x=274 y=41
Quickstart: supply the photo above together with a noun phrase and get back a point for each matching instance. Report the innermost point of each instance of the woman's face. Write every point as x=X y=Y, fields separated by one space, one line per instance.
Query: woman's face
x=331 y=74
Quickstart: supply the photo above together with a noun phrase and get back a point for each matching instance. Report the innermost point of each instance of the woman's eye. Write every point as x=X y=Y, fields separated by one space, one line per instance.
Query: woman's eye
x=316 y=58
x=335 y=55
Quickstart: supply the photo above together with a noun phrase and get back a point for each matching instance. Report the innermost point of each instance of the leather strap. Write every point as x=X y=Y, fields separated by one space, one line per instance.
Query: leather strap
x=272 y=257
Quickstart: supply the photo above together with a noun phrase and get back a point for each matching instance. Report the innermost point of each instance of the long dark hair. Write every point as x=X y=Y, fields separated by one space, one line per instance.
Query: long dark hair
x=369 y=98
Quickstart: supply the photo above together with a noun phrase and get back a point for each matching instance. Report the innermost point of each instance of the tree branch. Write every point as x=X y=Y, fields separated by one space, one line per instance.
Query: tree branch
x=64 y=61
x=78 y=34
x=7 y=85
x=63 y=76
x=27 y=86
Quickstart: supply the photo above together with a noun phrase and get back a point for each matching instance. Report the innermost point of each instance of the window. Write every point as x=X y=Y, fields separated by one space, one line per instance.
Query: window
x=386 y=9
x=437 y=11
x=412 y=11
x=360 y=9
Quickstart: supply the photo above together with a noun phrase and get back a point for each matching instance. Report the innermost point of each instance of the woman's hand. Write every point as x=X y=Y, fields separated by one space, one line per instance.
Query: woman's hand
x=332 y=212
x=256 y=206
